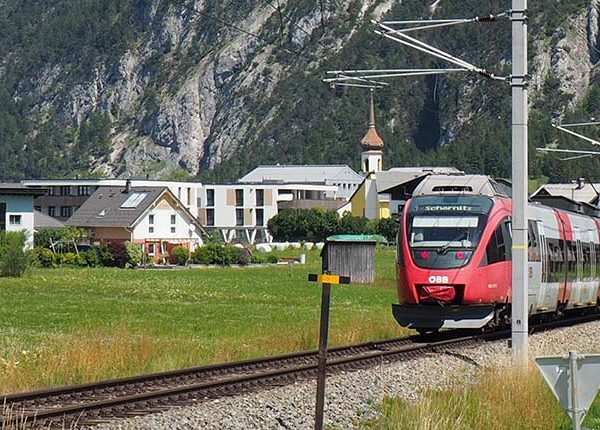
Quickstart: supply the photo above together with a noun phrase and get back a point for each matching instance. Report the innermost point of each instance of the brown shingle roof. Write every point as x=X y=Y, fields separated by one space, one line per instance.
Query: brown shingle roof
x=104 y=207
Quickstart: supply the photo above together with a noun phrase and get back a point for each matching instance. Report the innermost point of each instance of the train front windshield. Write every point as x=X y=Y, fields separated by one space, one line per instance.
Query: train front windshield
x=444 y=231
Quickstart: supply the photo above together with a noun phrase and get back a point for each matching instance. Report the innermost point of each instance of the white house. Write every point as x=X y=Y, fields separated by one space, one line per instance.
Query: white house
x=150 y=216
x=16 y=210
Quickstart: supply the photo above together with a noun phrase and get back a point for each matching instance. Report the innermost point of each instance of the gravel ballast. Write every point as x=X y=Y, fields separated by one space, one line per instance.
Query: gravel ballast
x=355 y=395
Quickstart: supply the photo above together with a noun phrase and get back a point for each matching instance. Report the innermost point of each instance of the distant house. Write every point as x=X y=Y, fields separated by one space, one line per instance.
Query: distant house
x=150 y=216
x=580 y=191
x=16 y=209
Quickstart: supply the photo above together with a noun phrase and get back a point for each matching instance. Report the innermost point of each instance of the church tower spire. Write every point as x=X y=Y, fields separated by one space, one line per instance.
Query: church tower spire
x=372 y=155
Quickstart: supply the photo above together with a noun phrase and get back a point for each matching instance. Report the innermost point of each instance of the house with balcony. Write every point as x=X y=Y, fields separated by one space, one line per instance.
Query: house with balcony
x=241 y=211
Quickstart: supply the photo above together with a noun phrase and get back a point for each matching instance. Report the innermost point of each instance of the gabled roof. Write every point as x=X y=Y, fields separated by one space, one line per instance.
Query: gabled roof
x=104 y=207
x=579 y=192
x=311 y=173
x=41 y=220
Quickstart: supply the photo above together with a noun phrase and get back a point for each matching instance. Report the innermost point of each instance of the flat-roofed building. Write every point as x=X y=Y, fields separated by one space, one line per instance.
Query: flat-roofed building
x=340 y=176
x=65 y=196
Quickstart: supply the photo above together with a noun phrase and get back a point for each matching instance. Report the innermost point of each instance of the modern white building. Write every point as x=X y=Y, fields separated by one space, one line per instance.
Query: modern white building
x=16 y=210
x=342 y=177
x=241 y=211
x=65 y=196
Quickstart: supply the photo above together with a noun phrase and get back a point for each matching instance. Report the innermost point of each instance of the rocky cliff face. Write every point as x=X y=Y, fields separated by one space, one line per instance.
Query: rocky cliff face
x=203 y=81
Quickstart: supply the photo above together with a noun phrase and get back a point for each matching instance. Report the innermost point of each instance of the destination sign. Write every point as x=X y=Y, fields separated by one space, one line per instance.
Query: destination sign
x=448 y=208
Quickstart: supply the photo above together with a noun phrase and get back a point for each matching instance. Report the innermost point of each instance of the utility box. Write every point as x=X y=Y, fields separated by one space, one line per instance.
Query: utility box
x=351 y=255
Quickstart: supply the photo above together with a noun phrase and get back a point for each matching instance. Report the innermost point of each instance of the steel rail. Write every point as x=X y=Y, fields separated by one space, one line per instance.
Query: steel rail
x=251 y=374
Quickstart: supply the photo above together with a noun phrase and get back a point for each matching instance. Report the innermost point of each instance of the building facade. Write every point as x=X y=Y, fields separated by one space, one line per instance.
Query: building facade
x=16 y=210
x=241 y=211
x=150 y=216
x=65 y=196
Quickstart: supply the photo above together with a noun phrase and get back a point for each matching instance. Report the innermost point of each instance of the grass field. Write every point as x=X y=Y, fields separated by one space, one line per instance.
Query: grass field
x=497 y=399
x=63 y=326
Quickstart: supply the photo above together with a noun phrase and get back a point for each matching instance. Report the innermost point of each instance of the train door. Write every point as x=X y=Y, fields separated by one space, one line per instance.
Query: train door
x=546 y=300
x=534 y=265
x=590 y=288
x=576 y=272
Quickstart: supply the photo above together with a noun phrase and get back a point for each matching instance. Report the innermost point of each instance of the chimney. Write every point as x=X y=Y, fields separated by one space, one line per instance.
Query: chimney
x=127 y=186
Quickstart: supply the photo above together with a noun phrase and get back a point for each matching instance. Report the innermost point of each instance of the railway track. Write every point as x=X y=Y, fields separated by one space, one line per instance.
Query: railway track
x=89 y=404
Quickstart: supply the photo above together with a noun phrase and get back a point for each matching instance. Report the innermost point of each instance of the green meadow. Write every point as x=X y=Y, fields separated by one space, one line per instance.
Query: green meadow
x=67 y=325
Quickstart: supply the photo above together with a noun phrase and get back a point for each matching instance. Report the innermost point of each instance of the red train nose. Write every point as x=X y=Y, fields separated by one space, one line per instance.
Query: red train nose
x=437 y=293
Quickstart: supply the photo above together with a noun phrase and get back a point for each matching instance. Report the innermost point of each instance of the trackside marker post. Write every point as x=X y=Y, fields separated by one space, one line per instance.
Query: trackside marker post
x=326 y=279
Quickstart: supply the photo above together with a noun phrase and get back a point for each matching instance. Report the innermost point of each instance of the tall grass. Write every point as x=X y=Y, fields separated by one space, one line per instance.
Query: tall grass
x=498 y=399
x=78 y=325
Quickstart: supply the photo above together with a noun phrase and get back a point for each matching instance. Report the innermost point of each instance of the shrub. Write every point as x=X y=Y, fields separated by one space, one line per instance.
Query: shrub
x=258 y=258
x=72 y=259
x=231 y=255
x=211 y=253
x=106 y=258
x=180 y=255
x=44 y=257
x=150 y=260
x=91 y=258
x=134 y=254
x=118 y=253
x=272 y=258
x=13 y=260
x=245 y=257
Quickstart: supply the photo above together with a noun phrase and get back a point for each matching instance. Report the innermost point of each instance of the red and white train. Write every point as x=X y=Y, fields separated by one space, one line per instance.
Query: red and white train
x=454 y=250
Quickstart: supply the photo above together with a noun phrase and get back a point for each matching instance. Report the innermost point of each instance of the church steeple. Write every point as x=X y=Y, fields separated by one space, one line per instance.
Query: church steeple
x=371 y=159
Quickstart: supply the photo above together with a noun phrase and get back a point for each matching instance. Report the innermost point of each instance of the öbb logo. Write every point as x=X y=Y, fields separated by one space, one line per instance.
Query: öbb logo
x=438 y=279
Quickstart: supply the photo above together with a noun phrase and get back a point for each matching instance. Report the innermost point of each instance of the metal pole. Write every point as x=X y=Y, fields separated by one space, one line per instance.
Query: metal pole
x=574 y=388
x=322 y=364
x=519 y=180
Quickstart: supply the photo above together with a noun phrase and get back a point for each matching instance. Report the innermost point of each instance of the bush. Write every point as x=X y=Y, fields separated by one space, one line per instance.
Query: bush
x=211 y=253
x=72 y=259
x=272 y=258
x=245 y=257
x=231 y=255
x=134 y=254
x=118 y=255
x=13 y=260
x=92 y=257
x=180 y=255
x=258 y=258
x=44 y=257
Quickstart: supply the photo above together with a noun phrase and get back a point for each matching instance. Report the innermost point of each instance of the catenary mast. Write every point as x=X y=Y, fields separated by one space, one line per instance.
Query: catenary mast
x=519 y=128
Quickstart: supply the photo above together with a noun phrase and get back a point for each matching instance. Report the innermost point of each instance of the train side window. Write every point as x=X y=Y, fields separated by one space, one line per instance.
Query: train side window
x=496 y=248
x=533 y=250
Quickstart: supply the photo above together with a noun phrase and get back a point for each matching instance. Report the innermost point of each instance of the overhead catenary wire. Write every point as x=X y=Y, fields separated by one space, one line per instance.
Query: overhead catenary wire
x=436 y=23
x=579 y=135
x=391 y=33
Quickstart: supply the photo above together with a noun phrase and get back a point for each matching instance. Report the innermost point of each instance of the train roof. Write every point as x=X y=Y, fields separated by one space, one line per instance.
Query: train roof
x=477 y=185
